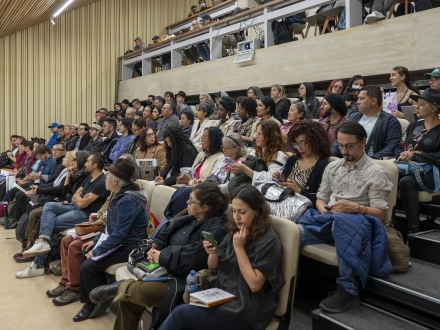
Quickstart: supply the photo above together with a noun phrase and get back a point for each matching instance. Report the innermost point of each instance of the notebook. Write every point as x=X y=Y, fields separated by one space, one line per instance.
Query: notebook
x=210 y=297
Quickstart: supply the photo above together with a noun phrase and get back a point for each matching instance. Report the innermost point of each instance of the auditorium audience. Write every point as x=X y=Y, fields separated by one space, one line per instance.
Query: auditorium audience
x=209 y=161
x=203 y=6
x=255 y=92
x=180 y=152
x=251 y=253
x=203 y=111
x=278 y=94
x=109 y=131
x=354 y=186
x=307 y=95
x=270 y=147
x=137 y=127
x=187 y=121
x=95 y=143
x=303 y=171
x=266 y=111
x=169 y=119
x=22 y=155
x=137 y=105
x=298 y=111
x=226 y=107
x=356 y=82
x=400 y=79
x=434 y=79
x=60 y=130
x=334 y=112
x=421 y=143
x=122 y=144
x=179 y=249
x=150 y=148
x=247 y=110
x=159 y=101
x=382 y=126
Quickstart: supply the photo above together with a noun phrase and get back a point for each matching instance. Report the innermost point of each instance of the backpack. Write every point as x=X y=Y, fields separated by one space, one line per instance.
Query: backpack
x=20 y=230
x=281 y=33
x=11 y=212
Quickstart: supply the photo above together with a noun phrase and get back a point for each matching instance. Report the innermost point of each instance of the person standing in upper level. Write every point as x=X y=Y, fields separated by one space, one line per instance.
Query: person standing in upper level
x=139 y=45
x=203 y=48
x=193 y=11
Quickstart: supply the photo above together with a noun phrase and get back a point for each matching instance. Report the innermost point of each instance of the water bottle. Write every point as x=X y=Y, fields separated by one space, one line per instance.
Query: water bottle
x=192 y=282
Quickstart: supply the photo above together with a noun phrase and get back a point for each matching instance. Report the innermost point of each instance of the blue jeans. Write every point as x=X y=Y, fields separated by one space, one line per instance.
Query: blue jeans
x=347 y=275
x=204 y=51
x=56 y=218
x=192 y=317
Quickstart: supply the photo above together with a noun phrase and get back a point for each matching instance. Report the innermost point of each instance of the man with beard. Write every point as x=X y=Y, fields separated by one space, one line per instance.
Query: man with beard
x=109 y=130
x=334 y=114
x=353 y=185
x=57 y=217
x=384 y=132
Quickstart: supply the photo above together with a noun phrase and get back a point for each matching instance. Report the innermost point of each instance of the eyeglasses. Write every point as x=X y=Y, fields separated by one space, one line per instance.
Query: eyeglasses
x=227 y=148
x=58 y=150
x=338 y=87
x=300 y=145
x=151 y=135
x=348 y=146
x=433 y=79
x=190 y=202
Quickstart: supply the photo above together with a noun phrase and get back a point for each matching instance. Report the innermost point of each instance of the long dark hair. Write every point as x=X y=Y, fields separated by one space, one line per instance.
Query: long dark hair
x=270 y=103
x=215 y=136
x=209 y=194
x=253 y=198
x=179 y=140
x=127 y=123
x=404 y=71
x=316 y=137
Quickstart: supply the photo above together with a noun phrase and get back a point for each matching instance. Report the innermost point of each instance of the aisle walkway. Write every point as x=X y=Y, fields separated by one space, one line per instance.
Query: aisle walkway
x=23 y=302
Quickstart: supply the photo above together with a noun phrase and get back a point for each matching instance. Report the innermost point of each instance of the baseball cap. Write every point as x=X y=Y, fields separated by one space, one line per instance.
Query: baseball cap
x=53 y=125
x=435 y=73
x=97 y=127
x=205 y=16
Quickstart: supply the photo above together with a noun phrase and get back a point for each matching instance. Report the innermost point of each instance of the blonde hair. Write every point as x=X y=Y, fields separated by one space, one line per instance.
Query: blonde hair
x=281 y=89
x=71 y=155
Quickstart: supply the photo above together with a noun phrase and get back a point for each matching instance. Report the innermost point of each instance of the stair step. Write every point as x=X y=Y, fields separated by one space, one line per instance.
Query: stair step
x=364 y=317
x=419 y=288
x=425 y=246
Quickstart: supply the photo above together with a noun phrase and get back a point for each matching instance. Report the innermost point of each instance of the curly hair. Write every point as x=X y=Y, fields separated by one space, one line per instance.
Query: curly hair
x=273 y=139
x=142 y=144
x=316 y=137
x=179 y=140
x=253 y=198
x=249 y=105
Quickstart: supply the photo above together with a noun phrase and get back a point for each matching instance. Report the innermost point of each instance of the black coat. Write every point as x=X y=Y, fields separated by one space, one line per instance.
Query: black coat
x=84 y=141
x=179 y=260
x=108 y=145
x=283 y=106
x=314 y=179
x=188 y=158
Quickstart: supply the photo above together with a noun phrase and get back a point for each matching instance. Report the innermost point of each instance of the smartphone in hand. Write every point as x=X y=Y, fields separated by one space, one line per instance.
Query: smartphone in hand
x=208 y=237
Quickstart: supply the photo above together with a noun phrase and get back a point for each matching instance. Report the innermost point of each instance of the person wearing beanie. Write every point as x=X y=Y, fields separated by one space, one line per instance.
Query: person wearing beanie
x=334 y=111
x=226 y=107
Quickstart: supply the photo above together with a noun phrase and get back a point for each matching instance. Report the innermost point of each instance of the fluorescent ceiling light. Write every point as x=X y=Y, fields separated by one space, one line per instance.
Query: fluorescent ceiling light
x=68 y=2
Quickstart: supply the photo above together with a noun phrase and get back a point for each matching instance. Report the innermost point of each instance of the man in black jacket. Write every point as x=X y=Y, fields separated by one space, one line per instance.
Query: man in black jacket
x=95 y=143
x=383 y=129
x=109 y=130
x=22 y=199
x=84 y=137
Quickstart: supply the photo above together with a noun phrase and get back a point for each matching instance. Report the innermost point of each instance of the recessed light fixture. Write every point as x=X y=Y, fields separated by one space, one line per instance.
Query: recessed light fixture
x=52 y=21
x=68 y=2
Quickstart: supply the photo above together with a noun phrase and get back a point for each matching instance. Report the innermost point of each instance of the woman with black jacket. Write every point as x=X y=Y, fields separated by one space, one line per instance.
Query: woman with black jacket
x=307 y=95
x=180 y=153
x=303 y=171
x=179 y=249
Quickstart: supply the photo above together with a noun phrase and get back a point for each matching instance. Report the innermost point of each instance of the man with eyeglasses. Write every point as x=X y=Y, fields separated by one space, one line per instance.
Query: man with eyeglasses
x=95 y=143
x=434 y=79
x=169 y=119
x=384 y=132
x=353 y=186
x=84 y=137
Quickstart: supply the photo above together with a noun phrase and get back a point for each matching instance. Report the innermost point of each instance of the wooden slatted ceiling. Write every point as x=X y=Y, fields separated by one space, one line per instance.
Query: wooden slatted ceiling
x=17 y=15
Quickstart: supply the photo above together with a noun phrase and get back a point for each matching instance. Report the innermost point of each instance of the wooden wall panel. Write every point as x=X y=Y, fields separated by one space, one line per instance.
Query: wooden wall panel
x=65 y=72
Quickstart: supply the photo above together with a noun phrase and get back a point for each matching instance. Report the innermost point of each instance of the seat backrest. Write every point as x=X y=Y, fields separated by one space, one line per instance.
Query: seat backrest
x=160 y=199
x=148 y=187
x=404 y=124
x=193 y=108
x=289 y=236
x=333 y=158
x=393 y=172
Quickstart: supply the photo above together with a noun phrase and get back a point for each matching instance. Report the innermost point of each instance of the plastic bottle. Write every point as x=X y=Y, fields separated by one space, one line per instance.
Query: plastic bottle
x=192 y=282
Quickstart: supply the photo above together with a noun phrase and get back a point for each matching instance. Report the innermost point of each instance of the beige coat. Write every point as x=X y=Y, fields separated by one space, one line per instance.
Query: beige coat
x=154 y=152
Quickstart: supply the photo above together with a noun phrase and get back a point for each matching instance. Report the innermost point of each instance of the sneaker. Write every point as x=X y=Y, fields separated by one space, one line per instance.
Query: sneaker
x=31 y=271
x=58 y=291
x=339 y=301
x=66 y=298
x=374 y=17
x=38 y=248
